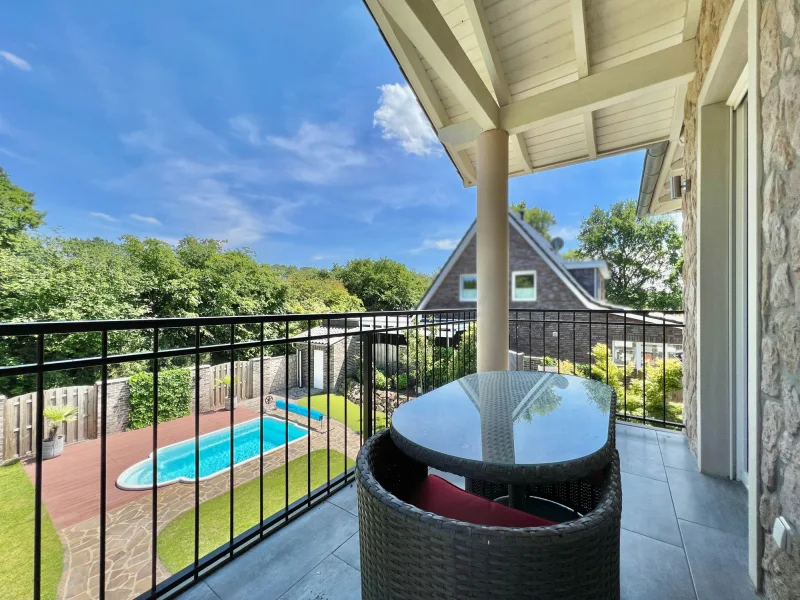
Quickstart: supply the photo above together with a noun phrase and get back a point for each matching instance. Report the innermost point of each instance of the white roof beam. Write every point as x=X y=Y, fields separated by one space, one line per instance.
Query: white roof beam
x=582 y=64
x=692 y=19
x=663 y=69
x=426 y=93
x=674 y=135
x=494 y=65
x=579 y=33
x=425 y=26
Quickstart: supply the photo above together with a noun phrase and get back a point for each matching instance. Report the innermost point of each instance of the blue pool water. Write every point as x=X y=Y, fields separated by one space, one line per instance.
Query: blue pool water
x=176 y=462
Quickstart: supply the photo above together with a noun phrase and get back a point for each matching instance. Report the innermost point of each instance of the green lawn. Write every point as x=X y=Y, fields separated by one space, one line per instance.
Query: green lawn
x=176 y=540
x=320 y=403
x=16 y=539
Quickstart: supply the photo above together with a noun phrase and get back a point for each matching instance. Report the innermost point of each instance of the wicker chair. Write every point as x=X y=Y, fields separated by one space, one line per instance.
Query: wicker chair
x=408 y=553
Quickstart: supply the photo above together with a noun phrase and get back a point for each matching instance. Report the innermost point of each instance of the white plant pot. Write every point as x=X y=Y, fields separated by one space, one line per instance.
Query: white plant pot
x=52 y=448
x=228 y=402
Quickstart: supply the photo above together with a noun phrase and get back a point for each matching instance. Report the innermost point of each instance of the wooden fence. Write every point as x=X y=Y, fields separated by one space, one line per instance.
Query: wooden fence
x=385 y=356
x=20 y=418
x=241 y=381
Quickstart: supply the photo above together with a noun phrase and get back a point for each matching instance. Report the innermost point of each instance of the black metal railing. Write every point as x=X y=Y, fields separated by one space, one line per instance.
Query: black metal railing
x=638 y=352
x=365 y=352
x=372 y=363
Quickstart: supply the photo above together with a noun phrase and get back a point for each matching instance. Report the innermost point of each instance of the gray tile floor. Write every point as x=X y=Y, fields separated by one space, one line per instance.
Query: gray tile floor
x=684 y=537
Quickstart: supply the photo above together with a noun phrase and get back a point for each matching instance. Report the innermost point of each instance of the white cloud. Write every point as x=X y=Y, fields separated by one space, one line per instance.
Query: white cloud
x=143 y=219
x=104 y=217
x=247 y=129
x=15 y=61
x=440 y=244
x=400 y=118
x=320 y=154
x=566 y=233
x=143 y=139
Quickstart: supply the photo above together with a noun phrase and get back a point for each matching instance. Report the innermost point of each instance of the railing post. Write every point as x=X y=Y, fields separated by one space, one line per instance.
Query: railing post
x=367 y=426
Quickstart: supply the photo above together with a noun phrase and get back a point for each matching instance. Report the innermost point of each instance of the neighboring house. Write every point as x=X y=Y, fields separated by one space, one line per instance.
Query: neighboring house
x=541 y=279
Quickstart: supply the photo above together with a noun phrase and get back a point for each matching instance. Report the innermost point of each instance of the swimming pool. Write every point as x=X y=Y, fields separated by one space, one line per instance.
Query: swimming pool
x=176 y=461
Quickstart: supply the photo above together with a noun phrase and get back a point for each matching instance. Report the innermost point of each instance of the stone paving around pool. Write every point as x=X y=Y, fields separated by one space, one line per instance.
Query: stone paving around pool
x=128 y=527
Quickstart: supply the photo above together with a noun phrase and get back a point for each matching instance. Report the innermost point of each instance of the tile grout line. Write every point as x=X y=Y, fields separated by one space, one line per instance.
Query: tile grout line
x=283 y=595
x=655 y=539
x=733 y=533
x=645 y=476
x=680 y=533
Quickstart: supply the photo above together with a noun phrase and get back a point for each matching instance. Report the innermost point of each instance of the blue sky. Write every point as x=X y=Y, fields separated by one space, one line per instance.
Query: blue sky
x=280 y=126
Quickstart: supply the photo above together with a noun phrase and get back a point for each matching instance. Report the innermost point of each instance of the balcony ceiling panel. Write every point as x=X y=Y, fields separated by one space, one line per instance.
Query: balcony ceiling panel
x=531 y=57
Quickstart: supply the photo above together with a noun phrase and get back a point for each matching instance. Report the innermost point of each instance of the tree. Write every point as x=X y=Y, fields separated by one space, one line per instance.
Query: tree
x=382 y=284
x=17 y=215
x=538 y=218
x=316 y=291
x=644 y=256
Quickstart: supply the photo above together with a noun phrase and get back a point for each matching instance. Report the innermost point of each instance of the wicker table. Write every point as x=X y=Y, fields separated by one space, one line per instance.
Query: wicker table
x=514 y=428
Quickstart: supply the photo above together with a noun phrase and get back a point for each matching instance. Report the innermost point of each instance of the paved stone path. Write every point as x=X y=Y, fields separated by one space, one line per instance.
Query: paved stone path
x=129 y=527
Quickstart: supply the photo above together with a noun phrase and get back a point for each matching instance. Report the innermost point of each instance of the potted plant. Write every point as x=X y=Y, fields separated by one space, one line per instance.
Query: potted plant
x=53 y=445
x=225 y=382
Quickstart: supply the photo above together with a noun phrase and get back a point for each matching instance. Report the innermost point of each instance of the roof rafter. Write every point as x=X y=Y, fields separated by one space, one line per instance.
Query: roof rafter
x=674 y=135
x=483 y=33
x=692 y=19
x=663 y=69
x=417 y=76
x=582 y=63
x=425 y=26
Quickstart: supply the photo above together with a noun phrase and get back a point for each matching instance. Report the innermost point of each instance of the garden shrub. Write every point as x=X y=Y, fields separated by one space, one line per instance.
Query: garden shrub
x=174 y=397
x=380 y=380
x=402 y=381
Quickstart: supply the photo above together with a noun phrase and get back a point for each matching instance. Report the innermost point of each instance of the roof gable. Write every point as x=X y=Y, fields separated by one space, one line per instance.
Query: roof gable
x=539 y=244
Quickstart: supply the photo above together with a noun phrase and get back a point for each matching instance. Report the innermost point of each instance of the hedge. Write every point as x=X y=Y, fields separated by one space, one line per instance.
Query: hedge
x=174 y=397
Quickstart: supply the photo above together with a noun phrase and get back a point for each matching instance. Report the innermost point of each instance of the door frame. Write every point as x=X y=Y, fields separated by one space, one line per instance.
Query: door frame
x=739 y=274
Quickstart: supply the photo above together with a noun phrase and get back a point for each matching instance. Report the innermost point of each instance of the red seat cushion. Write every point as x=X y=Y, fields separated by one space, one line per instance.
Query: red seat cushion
x=441 y=497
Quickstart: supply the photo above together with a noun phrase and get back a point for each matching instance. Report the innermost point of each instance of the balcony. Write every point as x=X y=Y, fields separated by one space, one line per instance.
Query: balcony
x=684 y=536
x=294 y=533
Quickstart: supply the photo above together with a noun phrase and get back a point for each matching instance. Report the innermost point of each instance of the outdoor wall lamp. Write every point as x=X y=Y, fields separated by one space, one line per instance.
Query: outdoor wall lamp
x=678 y=187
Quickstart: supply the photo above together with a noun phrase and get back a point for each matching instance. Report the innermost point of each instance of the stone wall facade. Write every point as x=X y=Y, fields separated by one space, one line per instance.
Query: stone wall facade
x=551 y=291
x=713 y=14
x=274 y=374
x=780 y=289
x=117 y=395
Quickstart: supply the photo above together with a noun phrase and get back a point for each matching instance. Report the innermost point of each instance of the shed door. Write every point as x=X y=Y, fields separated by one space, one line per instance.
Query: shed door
x=319 y=364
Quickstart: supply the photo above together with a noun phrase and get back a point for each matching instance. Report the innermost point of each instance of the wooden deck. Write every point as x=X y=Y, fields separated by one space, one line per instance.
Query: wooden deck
x=71 y=482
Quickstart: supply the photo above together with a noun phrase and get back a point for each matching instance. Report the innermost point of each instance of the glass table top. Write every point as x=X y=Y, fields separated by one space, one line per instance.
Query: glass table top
x=520 y=418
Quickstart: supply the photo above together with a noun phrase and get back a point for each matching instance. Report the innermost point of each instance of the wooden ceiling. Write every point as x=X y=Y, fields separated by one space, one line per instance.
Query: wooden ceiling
x=571 y=80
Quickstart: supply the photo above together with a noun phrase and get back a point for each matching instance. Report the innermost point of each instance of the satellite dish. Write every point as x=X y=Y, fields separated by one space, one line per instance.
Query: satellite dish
x=557 y=244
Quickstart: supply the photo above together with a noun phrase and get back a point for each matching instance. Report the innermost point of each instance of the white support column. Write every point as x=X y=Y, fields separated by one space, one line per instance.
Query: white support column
x=492 y=235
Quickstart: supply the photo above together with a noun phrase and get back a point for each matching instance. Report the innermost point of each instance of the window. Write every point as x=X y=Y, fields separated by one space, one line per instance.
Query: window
x=523 y=286
x=468 y=288
x=624 y=353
